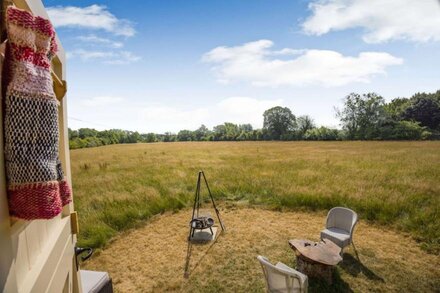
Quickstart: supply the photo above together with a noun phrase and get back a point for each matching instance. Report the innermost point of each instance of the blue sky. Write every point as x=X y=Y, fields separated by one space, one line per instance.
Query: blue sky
x=156 y=66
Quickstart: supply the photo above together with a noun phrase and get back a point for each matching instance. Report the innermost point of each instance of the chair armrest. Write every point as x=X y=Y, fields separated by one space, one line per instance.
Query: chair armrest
x=353 y=226
x=284 y=266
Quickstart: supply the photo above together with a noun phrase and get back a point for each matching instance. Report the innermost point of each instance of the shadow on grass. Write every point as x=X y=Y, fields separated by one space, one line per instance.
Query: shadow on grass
x=188 y=270
x=354 y=266
x=350 y=264
x=338 y=284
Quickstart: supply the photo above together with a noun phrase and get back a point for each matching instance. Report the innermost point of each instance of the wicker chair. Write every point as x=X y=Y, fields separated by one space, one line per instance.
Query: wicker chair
x=281 y=278
x=340 y=226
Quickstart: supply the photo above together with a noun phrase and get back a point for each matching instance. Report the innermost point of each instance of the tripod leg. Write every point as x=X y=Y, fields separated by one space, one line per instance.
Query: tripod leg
x=213 y=202
x=199 y=180
x=196 y=200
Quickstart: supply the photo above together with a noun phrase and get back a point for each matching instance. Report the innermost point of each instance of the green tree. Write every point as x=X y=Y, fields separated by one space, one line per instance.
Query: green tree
x=279 y=122
x=185 y=135
x=232 y=131
x=396 y=108
x=258 y=134
x=133 y=137
x=168 y=137
x=362 y=116
x=304 y=123
x=322 y=133
x=87 y=132
x=76 y=143
x=108 y=136
x=409 y=130
x=219 y=132
x=91 y=141
x=245 y=128
x=423 y=108
x=202 y=133
x=150 y=137
x=72 y=133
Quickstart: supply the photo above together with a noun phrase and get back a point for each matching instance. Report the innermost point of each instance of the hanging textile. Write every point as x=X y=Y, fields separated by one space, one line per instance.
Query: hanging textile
x=37 y=188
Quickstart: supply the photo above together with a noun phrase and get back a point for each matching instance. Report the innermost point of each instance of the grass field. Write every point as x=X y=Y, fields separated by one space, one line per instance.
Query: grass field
x=390 y=183
x=158 y=258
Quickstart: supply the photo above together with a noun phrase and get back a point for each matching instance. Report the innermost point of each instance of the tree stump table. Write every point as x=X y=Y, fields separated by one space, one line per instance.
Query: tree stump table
x=316 y=259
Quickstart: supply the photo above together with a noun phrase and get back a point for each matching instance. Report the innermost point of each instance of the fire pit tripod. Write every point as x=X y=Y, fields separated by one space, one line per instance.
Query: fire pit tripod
x=202 y=222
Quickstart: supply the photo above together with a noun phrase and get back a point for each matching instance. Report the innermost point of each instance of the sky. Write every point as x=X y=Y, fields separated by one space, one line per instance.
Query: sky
x=158 y=66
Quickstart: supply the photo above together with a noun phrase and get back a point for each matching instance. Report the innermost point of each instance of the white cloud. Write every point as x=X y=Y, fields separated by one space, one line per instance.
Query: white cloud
x=106 y=112
x=93 y=39
x=90 y=55
x=383 y=20
x=164 y=118
x=101 y=101
x=107 y=57
x=253 y=62
x=90 y=17
x=239 y=110
x=124 y=57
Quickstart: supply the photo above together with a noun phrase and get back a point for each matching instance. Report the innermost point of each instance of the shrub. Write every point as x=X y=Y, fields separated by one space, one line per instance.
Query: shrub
x=405 y=130
x=322 y=133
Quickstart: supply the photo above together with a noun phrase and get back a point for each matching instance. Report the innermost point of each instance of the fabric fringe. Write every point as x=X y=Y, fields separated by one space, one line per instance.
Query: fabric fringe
x=43 y=200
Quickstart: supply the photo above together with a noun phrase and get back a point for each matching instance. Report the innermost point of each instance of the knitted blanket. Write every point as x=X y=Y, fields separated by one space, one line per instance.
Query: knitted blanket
x=37 y=188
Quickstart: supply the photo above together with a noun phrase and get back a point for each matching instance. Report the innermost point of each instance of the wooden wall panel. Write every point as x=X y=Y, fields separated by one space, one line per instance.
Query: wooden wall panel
x=33 y=242
x=42 y=233
x=22 y=266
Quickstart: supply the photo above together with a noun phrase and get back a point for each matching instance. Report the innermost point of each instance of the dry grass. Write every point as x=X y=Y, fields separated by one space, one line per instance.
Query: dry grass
x=392 y=183
x=154 y=257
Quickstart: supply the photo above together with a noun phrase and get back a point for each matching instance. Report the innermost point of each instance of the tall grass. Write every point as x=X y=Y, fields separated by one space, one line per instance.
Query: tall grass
x=392 y=183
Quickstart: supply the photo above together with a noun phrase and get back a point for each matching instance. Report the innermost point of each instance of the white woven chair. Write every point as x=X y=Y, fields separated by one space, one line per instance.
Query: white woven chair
x=340 y=226
x=281 y=278
x=96 y=282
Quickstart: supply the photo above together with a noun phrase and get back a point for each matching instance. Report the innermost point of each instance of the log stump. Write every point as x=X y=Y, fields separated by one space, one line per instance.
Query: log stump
x=316 y=259
x=314 y=269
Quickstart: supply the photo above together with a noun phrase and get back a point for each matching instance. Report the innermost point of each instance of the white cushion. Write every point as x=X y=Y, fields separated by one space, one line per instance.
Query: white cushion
x=340 y=237
x=93 y=281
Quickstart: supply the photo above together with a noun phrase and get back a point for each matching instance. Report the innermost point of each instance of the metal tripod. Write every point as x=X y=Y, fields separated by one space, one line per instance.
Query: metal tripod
x=196 y=206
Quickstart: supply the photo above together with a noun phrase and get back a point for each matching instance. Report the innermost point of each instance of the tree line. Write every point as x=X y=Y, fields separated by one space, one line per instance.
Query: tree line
x=362 y=117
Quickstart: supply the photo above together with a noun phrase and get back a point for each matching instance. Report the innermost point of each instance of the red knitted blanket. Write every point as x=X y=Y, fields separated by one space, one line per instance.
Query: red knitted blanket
x=37 y=188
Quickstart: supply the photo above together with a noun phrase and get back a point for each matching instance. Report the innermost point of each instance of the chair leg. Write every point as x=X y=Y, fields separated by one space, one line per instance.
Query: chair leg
x=355 y=250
